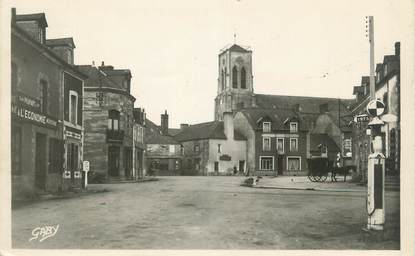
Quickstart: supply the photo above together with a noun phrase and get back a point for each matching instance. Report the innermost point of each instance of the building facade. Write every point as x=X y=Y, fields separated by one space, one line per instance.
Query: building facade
x=213 y=148
x=43 y=111
x=108 y=122
x=139 y=146
x=387 y=86
x=268 y=121
x=163 y=152
x=276 y=141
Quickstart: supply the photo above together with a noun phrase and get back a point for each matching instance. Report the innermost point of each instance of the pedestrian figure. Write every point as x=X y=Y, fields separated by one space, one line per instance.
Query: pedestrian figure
x=235 y=171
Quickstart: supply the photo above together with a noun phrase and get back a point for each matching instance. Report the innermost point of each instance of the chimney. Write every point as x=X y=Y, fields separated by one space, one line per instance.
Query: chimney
x=228 y=125
x=13 y=15
x=165 y=123
x=297 y=107
x=398 y=49
x=324 y=108
x=183 y=126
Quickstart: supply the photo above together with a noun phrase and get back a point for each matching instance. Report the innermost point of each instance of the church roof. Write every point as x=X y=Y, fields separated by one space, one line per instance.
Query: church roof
x=235 y=48
x=307 y=104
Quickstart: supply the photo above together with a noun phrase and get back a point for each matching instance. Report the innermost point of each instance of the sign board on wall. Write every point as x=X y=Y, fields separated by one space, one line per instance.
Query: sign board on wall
x=30 y=115
x=225 y=158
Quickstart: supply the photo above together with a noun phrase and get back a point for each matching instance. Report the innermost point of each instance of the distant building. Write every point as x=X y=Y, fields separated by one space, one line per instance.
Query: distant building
x=387 y=90
x=109 y=121
x=213 y=148
x=139 y=146
x=46 y=104
x=163 y=152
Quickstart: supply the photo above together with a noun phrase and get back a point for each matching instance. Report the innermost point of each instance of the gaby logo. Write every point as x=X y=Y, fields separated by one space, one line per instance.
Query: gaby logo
x=43 y=233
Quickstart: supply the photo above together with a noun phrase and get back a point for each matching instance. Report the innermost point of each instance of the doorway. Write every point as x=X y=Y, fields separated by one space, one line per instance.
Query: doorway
x=241 y=166
x=113 y=161
x=40 y=161
x=280 y=165
x=216 y=168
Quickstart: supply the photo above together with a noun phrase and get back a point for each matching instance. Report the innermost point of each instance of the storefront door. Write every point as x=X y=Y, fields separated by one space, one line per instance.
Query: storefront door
x=114 y=161
x=40 y=161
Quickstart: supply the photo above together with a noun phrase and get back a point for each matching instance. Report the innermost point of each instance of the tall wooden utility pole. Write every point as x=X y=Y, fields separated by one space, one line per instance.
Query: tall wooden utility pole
x=372 y=58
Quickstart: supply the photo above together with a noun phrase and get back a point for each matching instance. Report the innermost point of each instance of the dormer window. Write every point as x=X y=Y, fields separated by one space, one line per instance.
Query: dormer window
x=293 y=127
x=266 y=126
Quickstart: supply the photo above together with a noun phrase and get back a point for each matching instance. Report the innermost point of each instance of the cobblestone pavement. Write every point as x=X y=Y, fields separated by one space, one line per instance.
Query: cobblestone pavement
x=205 y=213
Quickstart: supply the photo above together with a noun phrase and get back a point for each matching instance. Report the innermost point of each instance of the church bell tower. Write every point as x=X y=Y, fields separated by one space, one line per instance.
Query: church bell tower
x=235 y=83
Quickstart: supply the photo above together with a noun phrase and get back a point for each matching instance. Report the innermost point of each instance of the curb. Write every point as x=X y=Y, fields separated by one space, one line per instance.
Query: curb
x=313 y=189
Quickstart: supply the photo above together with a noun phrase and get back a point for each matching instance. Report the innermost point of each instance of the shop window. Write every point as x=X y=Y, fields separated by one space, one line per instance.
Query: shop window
x=293 y=144
x=72 y=156
x=294 y=163
x=113 y=120
x=267 y=163
x=266 y=144
x=16 y=150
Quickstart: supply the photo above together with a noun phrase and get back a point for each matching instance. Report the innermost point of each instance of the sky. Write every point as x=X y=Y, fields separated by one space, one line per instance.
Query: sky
x=303 y=48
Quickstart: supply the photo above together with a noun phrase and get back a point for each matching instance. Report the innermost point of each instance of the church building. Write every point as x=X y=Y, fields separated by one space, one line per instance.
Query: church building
x=281 y=132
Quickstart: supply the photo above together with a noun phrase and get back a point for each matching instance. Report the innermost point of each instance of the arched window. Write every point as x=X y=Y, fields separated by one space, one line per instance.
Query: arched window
x=243 y=78
x=235 y=77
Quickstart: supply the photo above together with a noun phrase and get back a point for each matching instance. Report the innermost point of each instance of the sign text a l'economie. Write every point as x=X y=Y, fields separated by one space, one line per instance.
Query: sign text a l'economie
x=32 y=116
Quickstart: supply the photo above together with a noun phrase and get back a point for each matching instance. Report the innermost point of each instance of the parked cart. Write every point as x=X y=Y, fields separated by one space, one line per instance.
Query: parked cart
x=320 y=167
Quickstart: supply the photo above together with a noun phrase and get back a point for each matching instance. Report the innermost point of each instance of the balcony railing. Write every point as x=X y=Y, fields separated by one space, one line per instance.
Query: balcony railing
x=115 y=136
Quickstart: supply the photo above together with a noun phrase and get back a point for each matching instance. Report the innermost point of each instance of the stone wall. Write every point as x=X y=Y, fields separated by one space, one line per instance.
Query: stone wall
x=96 y=123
